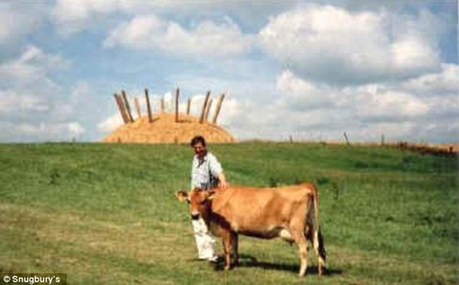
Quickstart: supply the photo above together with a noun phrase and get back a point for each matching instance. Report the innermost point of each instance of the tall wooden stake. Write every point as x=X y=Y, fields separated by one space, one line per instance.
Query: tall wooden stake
x=217 y=110
x=203 y=109
x=147 y=98
x=162 y=105
x=128 y=108
x=188 y=106
x=121 y=108
x=177 y=93
x=209 y=104
x=347 y=139
x=137 y=107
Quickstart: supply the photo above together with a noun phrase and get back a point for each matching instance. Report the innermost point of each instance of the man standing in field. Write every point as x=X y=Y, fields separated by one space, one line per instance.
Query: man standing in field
x=206 y=174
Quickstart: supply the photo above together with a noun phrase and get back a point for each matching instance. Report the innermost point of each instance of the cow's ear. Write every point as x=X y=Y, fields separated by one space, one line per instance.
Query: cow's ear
x=210 y=194
x=181 y=196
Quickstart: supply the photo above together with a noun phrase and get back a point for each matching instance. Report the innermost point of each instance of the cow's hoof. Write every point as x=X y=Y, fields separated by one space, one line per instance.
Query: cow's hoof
x=302 y=274
x=227 y=268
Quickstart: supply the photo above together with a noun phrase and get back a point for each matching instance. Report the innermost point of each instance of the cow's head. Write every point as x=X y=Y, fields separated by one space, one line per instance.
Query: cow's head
x=198 y=201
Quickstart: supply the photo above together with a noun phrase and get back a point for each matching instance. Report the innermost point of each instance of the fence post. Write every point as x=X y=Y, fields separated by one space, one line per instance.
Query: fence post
x=177 y=93
x=347 y=139
x=203 y=109
x=217 y=110
x=147 y=98
x=121 y=108
x=188 y=106
x=162 y=105
x=137 y=107
x=128 y=108
x=209 y=104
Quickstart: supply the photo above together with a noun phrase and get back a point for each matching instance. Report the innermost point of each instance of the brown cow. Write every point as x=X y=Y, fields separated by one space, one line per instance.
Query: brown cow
x=290 y=213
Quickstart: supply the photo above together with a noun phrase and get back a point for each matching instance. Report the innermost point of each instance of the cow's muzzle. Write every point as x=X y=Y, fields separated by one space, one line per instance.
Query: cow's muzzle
x=195 y=216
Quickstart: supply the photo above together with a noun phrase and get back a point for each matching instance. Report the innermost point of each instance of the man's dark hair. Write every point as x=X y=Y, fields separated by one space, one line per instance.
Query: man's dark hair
x=196 y=140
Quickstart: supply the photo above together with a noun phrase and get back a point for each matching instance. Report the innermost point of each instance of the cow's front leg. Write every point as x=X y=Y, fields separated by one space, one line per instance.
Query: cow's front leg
x=235 y=245
x=227 y=245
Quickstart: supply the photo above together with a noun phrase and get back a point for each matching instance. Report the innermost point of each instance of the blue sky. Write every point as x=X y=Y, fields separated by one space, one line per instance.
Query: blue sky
x=311 y=69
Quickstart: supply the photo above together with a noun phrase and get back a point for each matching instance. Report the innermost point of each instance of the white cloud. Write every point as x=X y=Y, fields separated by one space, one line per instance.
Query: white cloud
x=366 y=70
x=376 y=103
x=334 y=45
x=39 y=131
x=18 y=20
x=303 y=94
x=33 y=106
x=110 y=124
x=12 y=102
x=366 y=102
x=316 y=111
x=75 y=129
x=445 y=82
x=34 y=55
x=31 y=70
x=204 y=39
x=71 y=16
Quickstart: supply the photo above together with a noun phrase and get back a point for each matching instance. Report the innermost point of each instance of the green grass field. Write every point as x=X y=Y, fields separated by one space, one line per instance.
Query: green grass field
x=106 y=214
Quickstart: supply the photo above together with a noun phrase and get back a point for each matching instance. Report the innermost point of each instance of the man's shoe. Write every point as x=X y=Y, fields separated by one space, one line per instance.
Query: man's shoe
x=215 y=259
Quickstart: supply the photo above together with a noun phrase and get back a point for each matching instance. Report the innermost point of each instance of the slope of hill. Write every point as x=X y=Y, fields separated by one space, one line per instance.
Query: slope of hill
x=106 y=213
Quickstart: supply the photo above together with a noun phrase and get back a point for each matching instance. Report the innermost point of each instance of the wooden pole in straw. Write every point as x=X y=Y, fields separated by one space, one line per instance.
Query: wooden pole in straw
x=347 y=139
x=128 y=108
x=162 y=105
x=177 y=93
x=123 y=105
x=147 y=98
x=188 y=106
x=203 y=109
x=137 y=107
x=120 y=108
x=209 y=104
x=217 y=110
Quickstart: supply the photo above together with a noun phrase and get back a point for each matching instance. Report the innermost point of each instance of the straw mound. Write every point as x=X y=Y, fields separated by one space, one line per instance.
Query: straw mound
x=164 y=129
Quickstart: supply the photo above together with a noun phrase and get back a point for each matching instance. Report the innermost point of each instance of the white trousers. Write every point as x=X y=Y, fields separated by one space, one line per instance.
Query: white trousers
x=205 y=241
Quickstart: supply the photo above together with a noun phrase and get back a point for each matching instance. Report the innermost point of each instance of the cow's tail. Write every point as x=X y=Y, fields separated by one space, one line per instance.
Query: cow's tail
x=317 y=238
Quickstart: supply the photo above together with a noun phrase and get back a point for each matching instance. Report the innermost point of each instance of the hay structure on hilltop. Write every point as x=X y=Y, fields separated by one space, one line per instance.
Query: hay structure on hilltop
x=164 y=127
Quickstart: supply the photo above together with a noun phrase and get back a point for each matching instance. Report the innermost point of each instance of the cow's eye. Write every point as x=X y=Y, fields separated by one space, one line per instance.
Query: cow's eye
x=203 y=202
x=188 y=201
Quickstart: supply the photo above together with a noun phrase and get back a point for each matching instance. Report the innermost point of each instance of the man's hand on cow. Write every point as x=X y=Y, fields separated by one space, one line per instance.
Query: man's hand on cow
x=223 y=184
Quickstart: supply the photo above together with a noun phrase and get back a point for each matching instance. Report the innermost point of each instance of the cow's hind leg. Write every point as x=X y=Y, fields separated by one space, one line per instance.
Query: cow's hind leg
x=319 y=248
x=312 y=233
x=227 y=246
x=303 y=251
x=235 y=246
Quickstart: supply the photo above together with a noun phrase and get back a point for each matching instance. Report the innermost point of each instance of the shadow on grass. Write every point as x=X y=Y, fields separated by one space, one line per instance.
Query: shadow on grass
x=250 y=261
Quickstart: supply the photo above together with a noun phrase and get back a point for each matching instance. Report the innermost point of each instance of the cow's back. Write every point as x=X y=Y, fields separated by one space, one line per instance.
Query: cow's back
x=261 y=212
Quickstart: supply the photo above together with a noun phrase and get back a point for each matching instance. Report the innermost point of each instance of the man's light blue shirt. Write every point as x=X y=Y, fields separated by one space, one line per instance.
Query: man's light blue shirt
x=202 y=170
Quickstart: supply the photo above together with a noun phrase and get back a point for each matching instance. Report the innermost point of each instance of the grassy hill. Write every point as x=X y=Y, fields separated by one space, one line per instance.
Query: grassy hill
x=106 y=214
